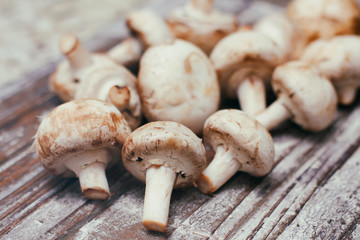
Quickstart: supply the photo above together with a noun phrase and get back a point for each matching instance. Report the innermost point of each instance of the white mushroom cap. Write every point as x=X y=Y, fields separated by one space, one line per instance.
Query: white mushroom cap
x=80 y=133
x=339 y=60
x=65 y=81
x=165 y=143
x=324 y=18
x=178 y=83
x=283 y=32
x=116 y=85
x=200 y=24
x=241 y=144
x=241 y=54
x=308 y=98
x=150 y=27
x=164 y=154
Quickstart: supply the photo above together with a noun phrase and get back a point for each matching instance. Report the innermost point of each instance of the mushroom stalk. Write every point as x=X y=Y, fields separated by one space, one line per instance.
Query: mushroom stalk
x=219 y=171
x=89 y=166
x=251 y=95
x=203 y=5
x=346 y=94
x=119 y=96
x=93 y=181
x=74 y=51
x=275 y=114
x=160 y=181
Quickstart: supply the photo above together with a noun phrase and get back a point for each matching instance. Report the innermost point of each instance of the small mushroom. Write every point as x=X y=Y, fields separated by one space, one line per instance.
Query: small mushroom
x=244 y=62
x=127 y=53
x=240 y=143
x=284 y=33
x=81 y=138
x=324 y=18
x=304 y=96
x=115 y=85
x=65 y=81
x=201 y=24
x=178 y=83
x=149 y=27
x=165 y=155
x=339 y=60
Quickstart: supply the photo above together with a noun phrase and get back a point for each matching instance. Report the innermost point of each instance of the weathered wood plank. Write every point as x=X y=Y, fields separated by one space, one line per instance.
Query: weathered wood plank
x=333 y=207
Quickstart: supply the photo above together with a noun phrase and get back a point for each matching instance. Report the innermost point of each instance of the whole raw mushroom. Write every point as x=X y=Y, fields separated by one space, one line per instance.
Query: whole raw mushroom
x=178 y=83
x=165 y=155
x=150 y=28
x=201 y=24
x=244 y=62
x=304 y=96
x=324 y=18
x=81 y=138
x=241 y=144
x=339 y=60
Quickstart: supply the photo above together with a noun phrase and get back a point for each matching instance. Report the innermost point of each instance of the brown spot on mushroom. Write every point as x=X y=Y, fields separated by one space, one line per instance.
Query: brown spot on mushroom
x=96 y=142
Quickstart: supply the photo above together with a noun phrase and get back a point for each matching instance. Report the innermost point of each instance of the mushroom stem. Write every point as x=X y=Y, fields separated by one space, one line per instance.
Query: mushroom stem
x=203 y=5
x=119 y=96
x=74 y=51
x=159 y=185
x=346 y=94
x=93 y=181
x=219 y=171
x=251 y=95
x=89 y=166
x=275 y=114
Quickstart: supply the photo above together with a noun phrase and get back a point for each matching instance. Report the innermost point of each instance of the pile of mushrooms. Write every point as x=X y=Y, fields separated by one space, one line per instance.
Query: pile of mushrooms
x=189 y=63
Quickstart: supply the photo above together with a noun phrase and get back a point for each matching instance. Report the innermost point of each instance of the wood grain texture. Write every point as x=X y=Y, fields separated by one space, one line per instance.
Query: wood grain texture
x=312 y=192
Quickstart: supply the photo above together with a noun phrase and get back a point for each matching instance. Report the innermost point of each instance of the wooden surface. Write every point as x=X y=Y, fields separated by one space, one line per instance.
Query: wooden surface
x=313 y=192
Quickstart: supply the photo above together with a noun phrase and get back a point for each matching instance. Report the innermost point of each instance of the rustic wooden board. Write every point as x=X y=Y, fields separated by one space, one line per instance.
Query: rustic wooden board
x=313 y=191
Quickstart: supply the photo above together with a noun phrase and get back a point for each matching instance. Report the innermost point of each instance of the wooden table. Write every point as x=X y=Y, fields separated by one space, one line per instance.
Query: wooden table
x=313 y=192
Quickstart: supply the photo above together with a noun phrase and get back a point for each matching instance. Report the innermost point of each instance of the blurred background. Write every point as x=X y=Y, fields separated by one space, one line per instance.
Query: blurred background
x=30 y=29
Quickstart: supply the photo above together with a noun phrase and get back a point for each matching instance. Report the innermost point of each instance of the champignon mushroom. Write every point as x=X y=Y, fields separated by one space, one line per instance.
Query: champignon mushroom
x=304 y=96
x=240 y=143
x=178 y=83
x=149 y=27
x=96 y=76
x=127 y=53
x=66 y=79
x=324 y=18
x=201 y=24
x=244 y=61
x=165 y=155
x=284 y=33
x=117 y=86
x=339 y=60
x=82 y=138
